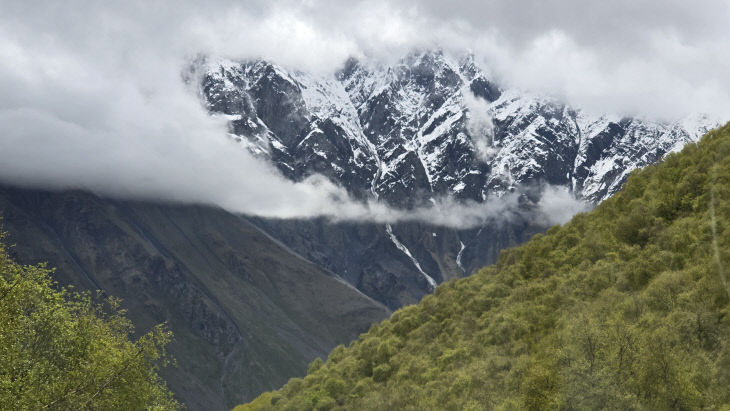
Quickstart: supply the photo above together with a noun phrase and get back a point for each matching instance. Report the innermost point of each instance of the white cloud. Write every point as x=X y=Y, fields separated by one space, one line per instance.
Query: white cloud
x=557 y=206
x=479 y=124
x=91 y=97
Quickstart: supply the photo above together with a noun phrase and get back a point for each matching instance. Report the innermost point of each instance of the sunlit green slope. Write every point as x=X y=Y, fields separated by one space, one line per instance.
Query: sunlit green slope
x=625 y=307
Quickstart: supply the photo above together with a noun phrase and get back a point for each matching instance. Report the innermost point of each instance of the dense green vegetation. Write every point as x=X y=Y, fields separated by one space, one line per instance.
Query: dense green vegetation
x=625 y=307
x=59 y=350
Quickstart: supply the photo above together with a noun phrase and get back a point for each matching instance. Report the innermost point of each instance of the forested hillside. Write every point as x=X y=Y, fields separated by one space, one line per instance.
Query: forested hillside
x=625 y=307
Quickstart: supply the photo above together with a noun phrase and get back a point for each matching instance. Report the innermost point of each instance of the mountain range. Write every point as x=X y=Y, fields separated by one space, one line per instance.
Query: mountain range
x=426 y=127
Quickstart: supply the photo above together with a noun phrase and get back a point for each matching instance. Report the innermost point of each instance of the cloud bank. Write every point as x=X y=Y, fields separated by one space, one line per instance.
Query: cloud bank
x=91 y=95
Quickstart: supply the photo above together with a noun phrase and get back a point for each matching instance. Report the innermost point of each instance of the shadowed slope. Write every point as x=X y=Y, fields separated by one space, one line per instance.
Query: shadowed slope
x=246 y=313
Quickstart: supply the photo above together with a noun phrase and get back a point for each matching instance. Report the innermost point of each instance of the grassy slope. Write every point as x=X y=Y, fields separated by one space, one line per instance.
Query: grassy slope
x=246 y=314
x=625 y=307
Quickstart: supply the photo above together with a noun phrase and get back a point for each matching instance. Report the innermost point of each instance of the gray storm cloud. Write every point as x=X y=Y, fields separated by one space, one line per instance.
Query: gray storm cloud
x=91 y=95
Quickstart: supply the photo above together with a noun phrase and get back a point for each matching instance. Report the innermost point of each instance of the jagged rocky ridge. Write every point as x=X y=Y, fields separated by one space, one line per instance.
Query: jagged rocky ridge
x=428 y=126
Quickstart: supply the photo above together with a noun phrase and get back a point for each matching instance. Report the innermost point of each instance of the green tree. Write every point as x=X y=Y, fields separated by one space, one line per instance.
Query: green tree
x=59 y=350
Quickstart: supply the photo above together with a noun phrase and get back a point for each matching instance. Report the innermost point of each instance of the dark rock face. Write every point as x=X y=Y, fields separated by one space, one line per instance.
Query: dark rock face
x=426 y=127
x=247 y=313
x=364 y=254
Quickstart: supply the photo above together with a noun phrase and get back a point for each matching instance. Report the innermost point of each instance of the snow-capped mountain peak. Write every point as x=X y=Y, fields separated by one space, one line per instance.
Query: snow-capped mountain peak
x=430 y=125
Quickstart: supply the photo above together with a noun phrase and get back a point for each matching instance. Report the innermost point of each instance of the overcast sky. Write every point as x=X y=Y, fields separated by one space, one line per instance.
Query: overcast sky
x=91 y=97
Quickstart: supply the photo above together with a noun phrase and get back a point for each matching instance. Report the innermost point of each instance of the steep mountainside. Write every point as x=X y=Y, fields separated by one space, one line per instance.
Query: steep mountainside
x=395 y=263
x=426 y=127
x=625 y=307
x=246 y=312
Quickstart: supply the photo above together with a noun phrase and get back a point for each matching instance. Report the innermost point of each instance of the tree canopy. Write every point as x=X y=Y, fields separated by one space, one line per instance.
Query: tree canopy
x=61 y=350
